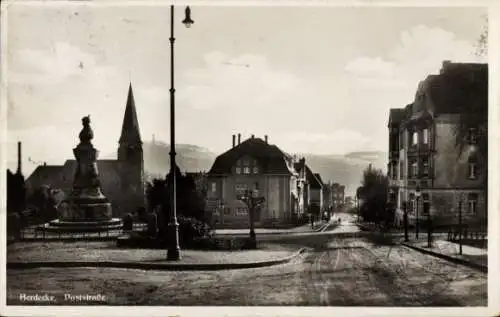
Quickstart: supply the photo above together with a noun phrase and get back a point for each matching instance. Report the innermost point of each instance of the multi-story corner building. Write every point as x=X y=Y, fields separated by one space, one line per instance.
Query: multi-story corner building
x=423 y=151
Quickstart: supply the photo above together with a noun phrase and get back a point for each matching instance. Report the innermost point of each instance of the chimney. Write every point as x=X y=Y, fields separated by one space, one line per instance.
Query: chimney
x=234 y=140
x=19 y=158
x=446 y=64
x=253 y=136
x=265 y=138
x=239 y=138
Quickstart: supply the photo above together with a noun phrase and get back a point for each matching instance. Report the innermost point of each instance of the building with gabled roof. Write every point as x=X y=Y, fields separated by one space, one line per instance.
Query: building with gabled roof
x=122 y=180
x=255 y=163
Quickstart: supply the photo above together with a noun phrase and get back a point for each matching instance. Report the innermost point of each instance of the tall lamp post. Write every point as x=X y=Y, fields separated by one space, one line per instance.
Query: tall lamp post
x=427 y=210
x=460 y=202
x=417 y=196
x=174 y=250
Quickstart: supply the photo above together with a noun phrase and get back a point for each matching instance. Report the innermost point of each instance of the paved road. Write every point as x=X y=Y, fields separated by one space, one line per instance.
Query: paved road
x=336 y=271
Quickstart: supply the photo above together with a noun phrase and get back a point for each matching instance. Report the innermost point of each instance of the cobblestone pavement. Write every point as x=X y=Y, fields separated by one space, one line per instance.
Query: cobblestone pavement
x=344 y=272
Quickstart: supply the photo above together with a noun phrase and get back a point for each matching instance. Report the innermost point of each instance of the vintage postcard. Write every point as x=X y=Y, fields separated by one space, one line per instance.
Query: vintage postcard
x=249 y=158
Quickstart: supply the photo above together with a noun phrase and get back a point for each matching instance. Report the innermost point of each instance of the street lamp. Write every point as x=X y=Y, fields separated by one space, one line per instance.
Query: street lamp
x=174 y=250
x=417 y=196
x=427 y=210
x=405 y=220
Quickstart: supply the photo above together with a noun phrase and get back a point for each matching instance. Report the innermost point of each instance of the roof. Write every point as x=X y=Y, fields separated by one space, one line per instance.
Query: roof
x=458 y=85
x=45 y=175
x=313 y=181
x=61 y=176
x=318 y=177
x=271 y=158
x=130 y=128
x=396 y=116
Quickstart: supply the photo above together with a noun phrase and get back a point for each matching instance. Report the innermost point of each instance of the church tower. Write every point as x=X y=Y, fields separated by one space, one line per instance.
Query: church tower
x=130 y=158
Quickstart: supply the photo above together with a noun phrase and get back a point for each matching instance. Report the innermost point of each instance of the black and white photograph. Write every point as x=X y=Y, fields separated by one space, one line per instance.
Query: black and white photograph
x=235 y=155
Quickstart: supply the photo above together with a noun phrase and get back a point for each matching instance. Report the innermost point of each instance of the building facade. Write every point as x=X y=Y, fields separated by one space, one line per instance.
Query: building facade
x=122 y=180
x=257 y=164
x=338 y=196
x=423 y=150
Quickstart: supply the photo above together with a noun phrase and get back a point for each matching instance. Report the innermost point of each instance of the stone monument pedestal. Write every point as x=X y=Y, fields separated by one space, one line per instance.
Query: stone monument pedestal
x=86 y=209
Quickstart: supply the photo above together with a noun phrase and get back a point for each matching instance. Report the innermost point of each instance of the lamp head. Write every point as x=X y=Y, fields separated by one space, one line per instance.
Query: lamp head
x=187 y=20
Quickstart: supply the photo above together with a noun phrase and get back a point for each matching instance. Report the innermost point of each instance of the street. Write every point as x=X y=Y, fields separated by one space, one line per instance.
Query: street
x=341 y=272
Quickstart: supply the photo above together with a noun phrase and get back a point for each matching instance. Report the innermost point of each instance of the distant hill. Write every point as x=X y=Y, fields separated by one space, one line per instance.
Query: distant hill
x=344 y=169
x=189 y=158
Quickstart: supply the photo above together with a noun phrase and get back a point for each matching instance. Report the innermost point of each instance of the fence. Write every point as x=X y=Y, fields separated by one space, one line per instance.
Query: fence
x=38 y=233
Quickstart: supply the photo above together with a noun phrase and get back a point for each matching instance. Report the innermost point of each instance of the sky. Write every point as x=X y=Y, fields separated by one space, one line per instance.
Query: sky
x=314 y=79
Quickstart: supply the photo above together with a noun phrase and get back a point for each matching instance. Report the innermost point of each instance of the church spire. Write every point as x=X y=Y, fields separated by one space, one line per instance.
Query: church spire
x=130 y=128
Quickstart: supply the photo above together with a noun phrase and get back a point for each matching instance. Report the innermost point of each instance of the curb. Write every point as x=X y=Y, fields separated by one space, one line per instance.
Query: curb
x=155 y=266
x=285 y=232
x=456 y=260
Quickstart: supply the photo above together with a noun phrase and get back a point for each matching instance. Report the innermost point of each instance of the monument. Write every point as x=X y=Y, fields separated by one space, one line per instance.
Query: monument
x=86 y=208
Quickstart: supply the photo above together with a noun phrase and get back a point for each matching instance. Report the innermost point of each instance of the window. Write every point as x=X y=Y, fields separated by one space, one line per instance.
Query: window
x=425 y=165
x=411 y=205
x=472 y=168
x=414 y=169
x=255 y=169
x=246 y=170
x=238 y=170
x=401 y=169
x=472 y=204
x=240 y=189
x=472 y=136
x=394 y=171
x=426 y=136
x=241 y=211
x=414 y=140
x=213 y=187
x=227 y=211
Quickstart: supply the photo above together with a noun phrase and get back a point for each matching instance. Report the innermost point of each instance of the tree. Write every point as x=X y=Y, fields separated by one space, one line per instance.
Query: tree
x=16 y=192
x=373 y=193
x=190 y=196
x=482 y=41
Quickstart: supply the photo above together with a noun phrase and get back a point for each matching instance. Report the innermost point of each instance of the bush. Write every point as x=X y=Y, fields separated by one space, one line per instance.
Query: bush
x=189 y=230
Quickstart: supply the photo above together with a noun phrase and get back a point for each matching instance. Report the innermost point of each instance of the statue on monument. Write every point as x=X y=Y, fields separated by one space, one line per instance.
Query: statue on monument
x=86 y=135
x=86 y=175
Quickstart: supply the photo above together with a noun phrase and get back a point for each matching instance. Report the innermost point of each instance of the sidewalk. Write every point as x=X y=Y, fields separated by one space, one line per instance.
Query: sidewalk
x=105 y=254
x=262 y=231
x=471 y=256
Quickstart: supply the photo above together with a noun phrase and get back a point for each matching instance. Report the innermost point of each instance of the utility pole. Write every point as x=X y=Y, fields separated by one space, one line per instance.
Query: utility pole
x=460 y=226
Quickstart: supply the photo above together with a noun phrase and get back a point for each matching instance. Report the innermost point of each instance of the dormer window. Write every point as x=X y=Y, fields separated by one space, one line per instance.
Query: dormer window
x=247 y=167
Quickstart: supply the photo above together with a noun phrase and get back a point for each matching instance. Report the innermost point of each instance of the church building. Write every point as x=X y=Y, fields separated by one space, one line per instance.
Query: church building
x=122 y=179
